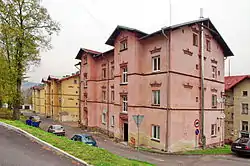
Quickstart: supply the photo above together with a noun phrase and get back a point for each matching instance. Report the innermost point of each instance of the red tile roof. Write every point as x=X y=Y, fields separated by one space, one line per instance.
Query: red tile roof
x=231 y=81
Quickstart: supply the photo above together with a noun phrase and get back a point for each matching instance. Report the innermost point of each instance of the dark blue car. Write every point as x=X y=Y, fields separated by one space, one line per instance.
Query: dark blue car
x=85 y=138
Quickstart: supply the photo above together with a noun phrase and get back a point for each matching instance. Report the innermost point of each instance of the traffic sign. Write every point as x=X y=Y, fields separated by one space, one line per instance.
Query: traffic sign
x=196 y=123
x=197 y=131
x=138 y=119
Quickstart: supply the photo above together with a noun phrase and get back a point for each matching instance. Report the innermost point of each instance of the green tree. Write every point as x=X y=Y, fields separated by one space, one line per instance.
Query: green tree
x=26 y=29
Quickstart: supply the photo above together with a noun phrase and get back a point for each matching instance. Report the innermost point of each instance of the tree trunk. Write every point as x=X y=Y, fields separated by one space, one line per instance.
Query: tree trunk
x=17 y=102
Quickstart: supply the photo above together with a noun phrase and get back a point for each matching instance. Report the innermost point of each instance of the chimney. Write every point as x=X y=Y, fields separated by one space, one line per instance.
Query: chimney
x=201 y=13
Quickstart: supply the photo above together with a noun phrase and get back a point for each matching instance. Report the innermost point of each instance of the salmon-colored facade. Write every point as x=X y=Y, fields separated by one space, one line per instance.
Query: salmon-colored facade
x=157 y=76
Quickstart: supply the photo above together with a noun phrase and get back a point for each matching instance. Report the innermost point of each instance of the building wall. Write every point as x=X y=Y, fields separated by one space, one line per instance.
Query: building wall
x=238 y=100
x=229 y=120
x=69 y=96
x=184 y=107
x=42 y=101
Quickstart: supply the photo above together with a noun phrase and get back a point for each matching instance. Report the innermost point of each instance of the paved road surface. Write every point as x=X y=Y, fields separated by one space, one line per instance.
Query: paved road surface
x=158 y=159
x=17 y=150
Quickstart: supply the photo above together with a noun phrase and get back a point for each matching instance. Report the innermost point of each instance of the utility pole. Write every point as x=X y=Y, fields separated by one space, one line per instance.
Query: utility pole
x=203 y=137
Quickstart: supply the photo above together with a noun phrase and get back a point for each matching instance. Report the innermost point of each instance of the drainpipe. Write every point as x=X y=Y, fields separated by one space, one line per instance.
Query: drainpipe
x=80 y=93
x=107 y=94
x=168 y=52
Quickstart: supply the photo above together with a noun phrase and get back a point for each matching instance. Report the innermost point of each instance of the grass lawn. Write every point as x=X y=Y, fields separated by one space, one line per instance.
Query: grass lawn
x=92 y=155
x=220 y=150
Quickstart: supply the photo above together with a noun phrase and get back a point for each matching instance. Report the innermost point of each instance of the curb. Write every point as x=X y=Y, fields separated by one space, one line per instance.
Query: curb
x=41 y=142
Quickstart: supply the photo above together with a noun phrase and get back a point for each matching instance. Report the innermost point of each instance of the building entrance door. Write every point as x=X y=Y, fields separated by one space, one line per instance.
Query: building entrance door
x=125 y=130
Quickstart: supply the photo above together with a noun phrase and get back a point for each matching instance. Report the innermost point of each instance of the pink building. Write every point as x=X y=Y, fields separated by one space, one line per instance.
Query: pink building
x=157 y=75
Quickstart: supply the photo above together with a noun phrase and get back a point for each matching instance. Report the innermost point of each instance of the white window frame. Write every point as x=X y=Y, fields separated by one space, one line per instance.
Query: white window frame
x=104 y=118
x=104 y=97
x=156 y=97
x=155 y=132
x=125 y=75
x=214 y=103
x=156 y=63
x=125 y=103
x=123 y=45
x=244 y=108
x=246 y=125
x=208 y=45
x=214 y=72
x=104 y=73
x=112 y=95
x=213 y=129
x=112 y=121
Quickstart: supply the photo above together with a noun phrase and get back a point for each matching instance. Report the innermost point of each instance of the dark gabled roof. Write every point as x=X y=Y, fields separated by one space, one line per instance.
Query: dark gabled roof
x=72 y=76
x=117 y=31
x=104 y=53
x=51 y=77
x=82 y=50
x=231 y=81
x=207 y=22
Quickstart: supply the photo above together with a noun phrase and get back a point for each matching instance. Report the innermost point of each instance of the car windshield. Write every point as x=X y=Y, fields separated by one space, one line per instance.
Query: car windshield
x=89 y=139
x=57 y=127
x=243 y=140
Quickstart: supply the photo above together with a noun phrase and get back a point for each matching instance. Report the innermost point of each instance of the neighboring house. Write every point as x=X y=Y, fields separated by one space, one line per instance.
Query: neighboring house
x=237 y=91
x=157 y=75
x=38 y=99
x=69 y=98
x=62 y=97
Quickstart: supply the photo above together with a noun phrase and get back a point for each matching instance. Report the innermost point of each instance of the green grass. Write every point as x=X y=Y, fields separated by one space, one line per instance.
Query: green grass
x=216 y=151
x=92 y=155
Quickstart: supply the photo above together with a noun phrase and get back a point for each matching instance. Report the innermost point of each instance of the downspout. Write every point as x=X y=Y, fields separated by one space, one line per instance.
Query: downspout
x=107 y=94
x=80 y=94
x=168 y=52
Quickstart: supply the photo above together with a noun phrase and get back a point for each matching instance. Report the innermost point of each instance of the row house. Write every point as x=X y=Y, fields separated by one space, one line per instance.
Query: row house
x=237 y=107
x=38 y=98
x=158 y=76
x=61 y=98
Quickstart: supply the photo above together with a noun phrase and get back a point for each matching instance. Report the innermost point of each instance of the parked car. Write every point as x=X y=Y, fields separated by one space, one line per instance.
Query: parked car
x=35 y=118
x=85 y=138
x=57 y=129
x=241 y=146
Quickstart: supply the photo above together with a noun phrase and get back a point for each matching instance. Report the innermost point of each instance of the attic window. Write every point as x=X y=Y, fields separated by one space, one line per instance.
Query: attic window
x=123 y=45
x=195 y=39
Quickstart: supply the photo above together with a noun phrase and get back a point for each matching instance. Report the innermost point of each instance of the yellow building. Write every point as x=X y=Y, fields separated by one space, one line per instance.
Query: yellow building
x=38 y=99
x=62 y=97
x=237 y=90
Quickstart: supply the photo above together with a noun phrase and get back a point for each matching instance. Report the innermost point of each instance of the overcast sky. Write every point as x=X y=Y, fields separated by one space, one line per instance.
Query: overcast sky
x=89 y=23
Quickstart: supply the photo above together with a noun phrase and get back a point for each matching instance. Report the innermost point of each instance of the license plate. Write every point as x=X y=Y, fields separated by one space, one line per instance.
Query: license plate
x=238 y=147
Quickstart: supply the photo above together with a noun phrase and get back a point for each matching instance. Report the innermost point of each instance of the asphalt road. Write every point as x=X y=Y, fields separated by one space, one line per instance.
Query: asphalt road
x=17 y=150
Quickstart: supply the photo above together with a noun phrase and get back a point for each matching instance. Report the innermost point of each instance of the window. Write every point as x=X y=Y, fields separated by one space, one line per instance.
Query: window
x=195 y=39
x=156 y=97
x=112 y=120
x=244 y=108
x=214 y=101
x=85 y=60
x=244 y=125
x=103 y=73
x=76 y=91
x=124 y=104
x=213 y=130
x=112 y=95
x=208 y=44
x=214 y=72
x=156 y=63
x=112 y=72
x=123 y=45
x=104 y=118
x=156 y=132
x=244 y=93
x=103 y=95
x=75 y=81
x=125 y=75
x=232 y=116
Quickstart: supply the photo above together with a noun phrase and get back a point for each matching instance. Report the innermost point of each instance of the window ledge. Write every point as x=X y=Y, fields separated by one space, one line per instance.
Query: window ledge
x=156 y=71
x=155 y=139
x=123 y=49
x=213 y=136
x=112 y=125
x=214 y=106
x=125 y=112
x=124 y=83
x=104 y=123
x=157 y=105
